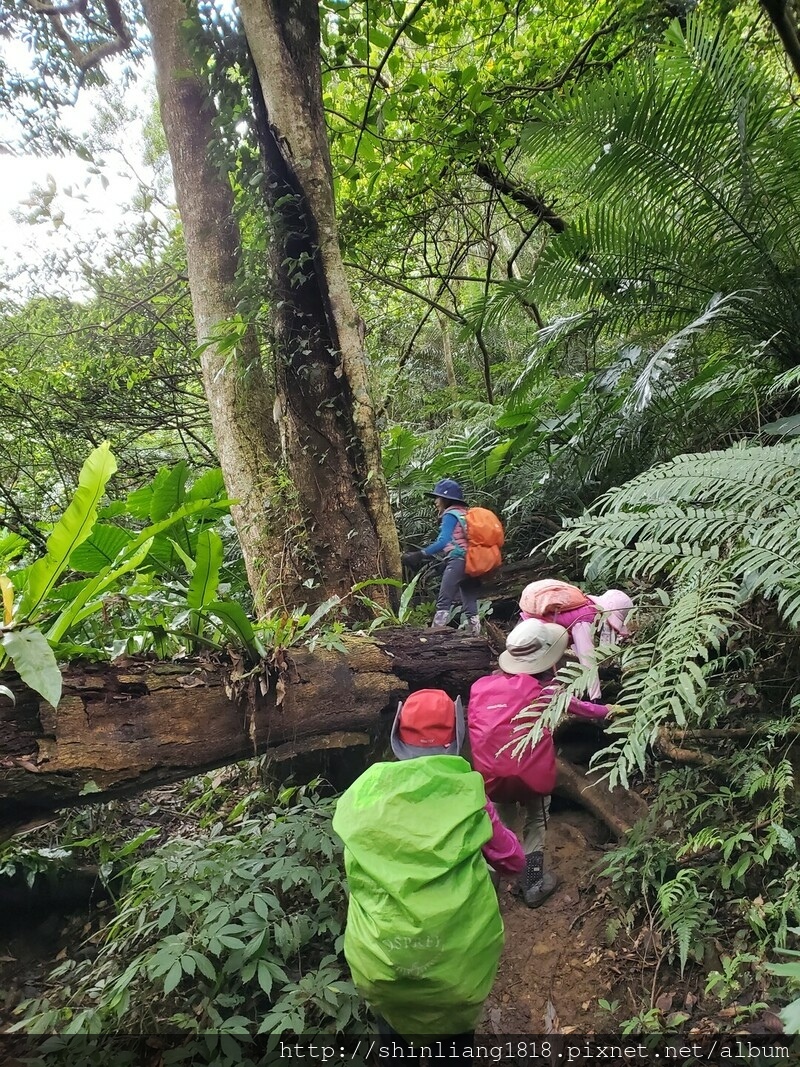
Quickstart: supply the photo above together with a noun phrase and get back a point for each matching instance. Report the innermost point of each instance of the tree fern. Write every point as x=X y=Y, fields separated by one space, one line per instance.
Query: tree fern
x=719 y=529
x=679 y=271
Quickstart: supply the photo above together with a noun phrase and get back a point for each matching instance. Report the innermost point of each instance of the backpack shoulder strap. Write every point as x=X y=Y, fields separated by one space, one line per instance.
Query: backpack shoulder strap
x=460 y=514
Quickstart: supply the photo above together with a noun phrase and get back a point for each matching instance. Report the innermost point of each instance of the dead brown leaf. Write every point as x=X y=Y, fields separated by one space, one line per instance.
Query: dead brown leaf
x=552 y=1024
x=664 y=1002
x=772 y=1022
x=190 y=681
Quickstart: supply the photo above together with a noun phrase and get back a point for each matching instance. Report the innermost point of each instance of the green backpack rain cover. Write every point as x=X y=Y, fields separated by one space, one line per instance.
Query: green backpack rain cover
x=424 y=932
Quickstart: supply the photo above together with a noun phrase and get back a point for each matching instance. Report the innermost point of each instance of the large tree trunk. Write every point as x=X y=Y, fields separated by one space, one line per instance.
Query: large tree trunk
x=327 y=416
x=125 y=727
x=239 y=397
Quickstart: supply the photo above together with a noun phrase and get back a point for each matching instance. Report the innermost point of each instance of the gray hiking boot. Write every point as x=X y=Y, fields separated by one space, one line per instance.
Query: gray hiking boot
x=474 y=626
x=440 y=620
x=536 y=884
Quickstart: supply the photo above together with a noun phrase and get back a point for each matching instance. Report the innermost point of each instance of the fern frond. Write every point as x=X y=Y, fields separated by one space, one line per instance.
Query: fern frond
x=721 y=527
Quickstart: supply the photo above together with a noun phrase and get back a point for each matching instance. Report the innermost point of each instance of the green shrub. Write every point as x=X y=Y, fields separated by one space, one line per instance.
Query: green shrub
x=219 y=940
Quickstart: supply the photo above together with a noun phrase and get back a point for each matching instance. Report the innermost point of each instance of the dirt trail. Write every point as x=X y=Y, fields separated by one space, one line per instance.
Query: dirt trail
x=557 y=952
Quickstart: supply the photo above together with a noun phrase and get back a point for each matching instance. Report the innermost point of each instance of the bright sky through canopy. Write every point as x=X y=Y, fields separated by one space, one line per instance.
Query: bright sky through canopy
x=87 y=208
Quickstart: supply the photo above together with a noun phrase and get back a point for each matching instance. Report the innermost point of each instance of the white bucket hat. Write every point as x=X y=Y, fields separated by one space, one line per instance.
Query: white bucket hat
x=533 y=646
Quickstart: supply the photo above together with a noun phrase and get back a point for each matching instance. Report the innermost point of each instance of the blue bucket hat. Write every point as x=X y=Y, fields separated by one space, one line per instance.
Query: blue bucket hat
x=447 y=489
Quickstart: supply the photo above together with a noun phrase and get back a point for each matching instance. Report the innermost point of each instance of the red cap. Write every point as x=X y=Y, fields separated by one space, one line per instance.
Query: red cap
x=427 y=719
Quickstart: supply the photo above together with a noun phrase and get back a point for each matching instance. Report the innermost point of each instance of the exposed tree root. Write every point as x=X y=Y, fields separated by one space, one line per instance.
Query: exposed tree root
x=683 y=755
x=618 y=808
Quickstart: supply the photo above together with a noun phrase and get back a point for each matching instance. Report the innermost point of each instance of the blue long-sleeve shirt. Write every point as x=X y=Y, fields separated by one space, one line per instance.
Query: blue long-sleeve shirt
x=446 y=534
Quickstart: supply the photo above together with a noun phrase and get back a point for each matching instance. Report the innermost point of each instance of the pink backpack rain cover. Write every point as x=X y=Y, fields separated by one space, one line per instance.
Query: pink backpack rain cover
x=494 y=702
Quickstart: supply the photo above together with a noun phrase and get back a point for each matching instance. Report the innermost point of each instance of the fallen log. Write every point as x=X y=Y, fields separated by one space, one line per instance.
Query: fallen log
x=508 y=581
x=129 y=726
x=618 y=808
x=730 y=733
x=126 y=727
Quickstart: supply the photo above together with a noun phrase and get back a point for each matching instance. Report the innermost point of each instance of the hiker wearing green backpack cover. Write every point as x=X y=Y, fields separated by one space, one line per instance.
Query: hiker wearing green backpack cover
x=424 y=932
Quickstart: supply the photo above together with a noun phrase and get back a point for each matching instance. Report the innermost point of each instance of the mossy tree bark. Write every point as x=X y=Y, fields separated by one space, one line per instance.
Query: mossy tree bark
x=240 y=398
x=327 y=418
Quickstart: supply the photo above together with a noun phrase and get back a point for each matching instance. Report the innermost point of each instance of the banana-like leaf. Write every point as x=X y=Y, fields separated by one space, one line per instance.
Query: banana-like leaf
x=321 y=612
x=83 y=605
x=232 y=618
x=168 y=490
x=133 y=555
x=208 y=486
x=71 y=530
x=34 y=662
x=11 y=546
x=183 y=512
x=187 y=559
x=405 y=599
x=65 y=592
x=496 y=458
x=102 y=547
x=205 y=579
x=8 y=598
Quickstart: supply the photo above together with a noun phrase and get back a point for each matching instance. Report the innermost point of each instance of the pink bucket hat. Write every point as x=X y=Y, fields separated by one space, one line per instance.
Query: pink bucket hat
x=615 y=606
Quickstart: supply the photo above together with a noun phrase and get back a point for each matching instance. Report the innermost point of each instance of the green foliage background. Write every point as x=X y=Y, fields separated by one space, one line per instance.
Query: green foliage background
x=573 y=238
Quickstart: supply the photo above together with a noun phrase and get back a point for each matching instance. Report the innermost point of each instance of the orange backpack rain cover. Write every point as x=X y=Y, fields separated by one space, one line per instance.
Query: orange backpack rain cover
x=485 y=538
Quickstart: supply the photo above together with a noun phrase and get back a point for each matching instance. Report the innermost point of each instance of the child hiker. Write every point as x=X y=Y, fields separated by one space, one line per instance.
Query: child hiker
x=456 y=585
x=559 y=602
x=424 y=932
x=524 y=681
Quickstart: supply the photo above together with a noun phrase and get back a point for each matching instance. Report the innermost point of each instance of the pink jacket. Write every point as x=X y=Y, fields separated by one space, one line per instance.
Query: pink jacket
x=503 y=851
x=494 y=702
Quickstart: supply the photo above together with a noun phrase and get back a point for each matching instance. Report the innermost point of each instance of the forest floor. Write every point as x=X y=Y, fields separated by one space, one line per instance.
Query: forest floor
x=556 y=965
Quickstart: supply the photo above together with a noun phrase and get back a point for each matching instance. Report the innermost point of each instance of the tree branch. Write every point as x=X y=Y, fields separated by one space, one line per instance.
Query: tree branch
x=401 y=29
x=77 y=7
x=683 y=755
x=520 y=195
x=783 y=21
x=93 y=56
x=395 y=284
